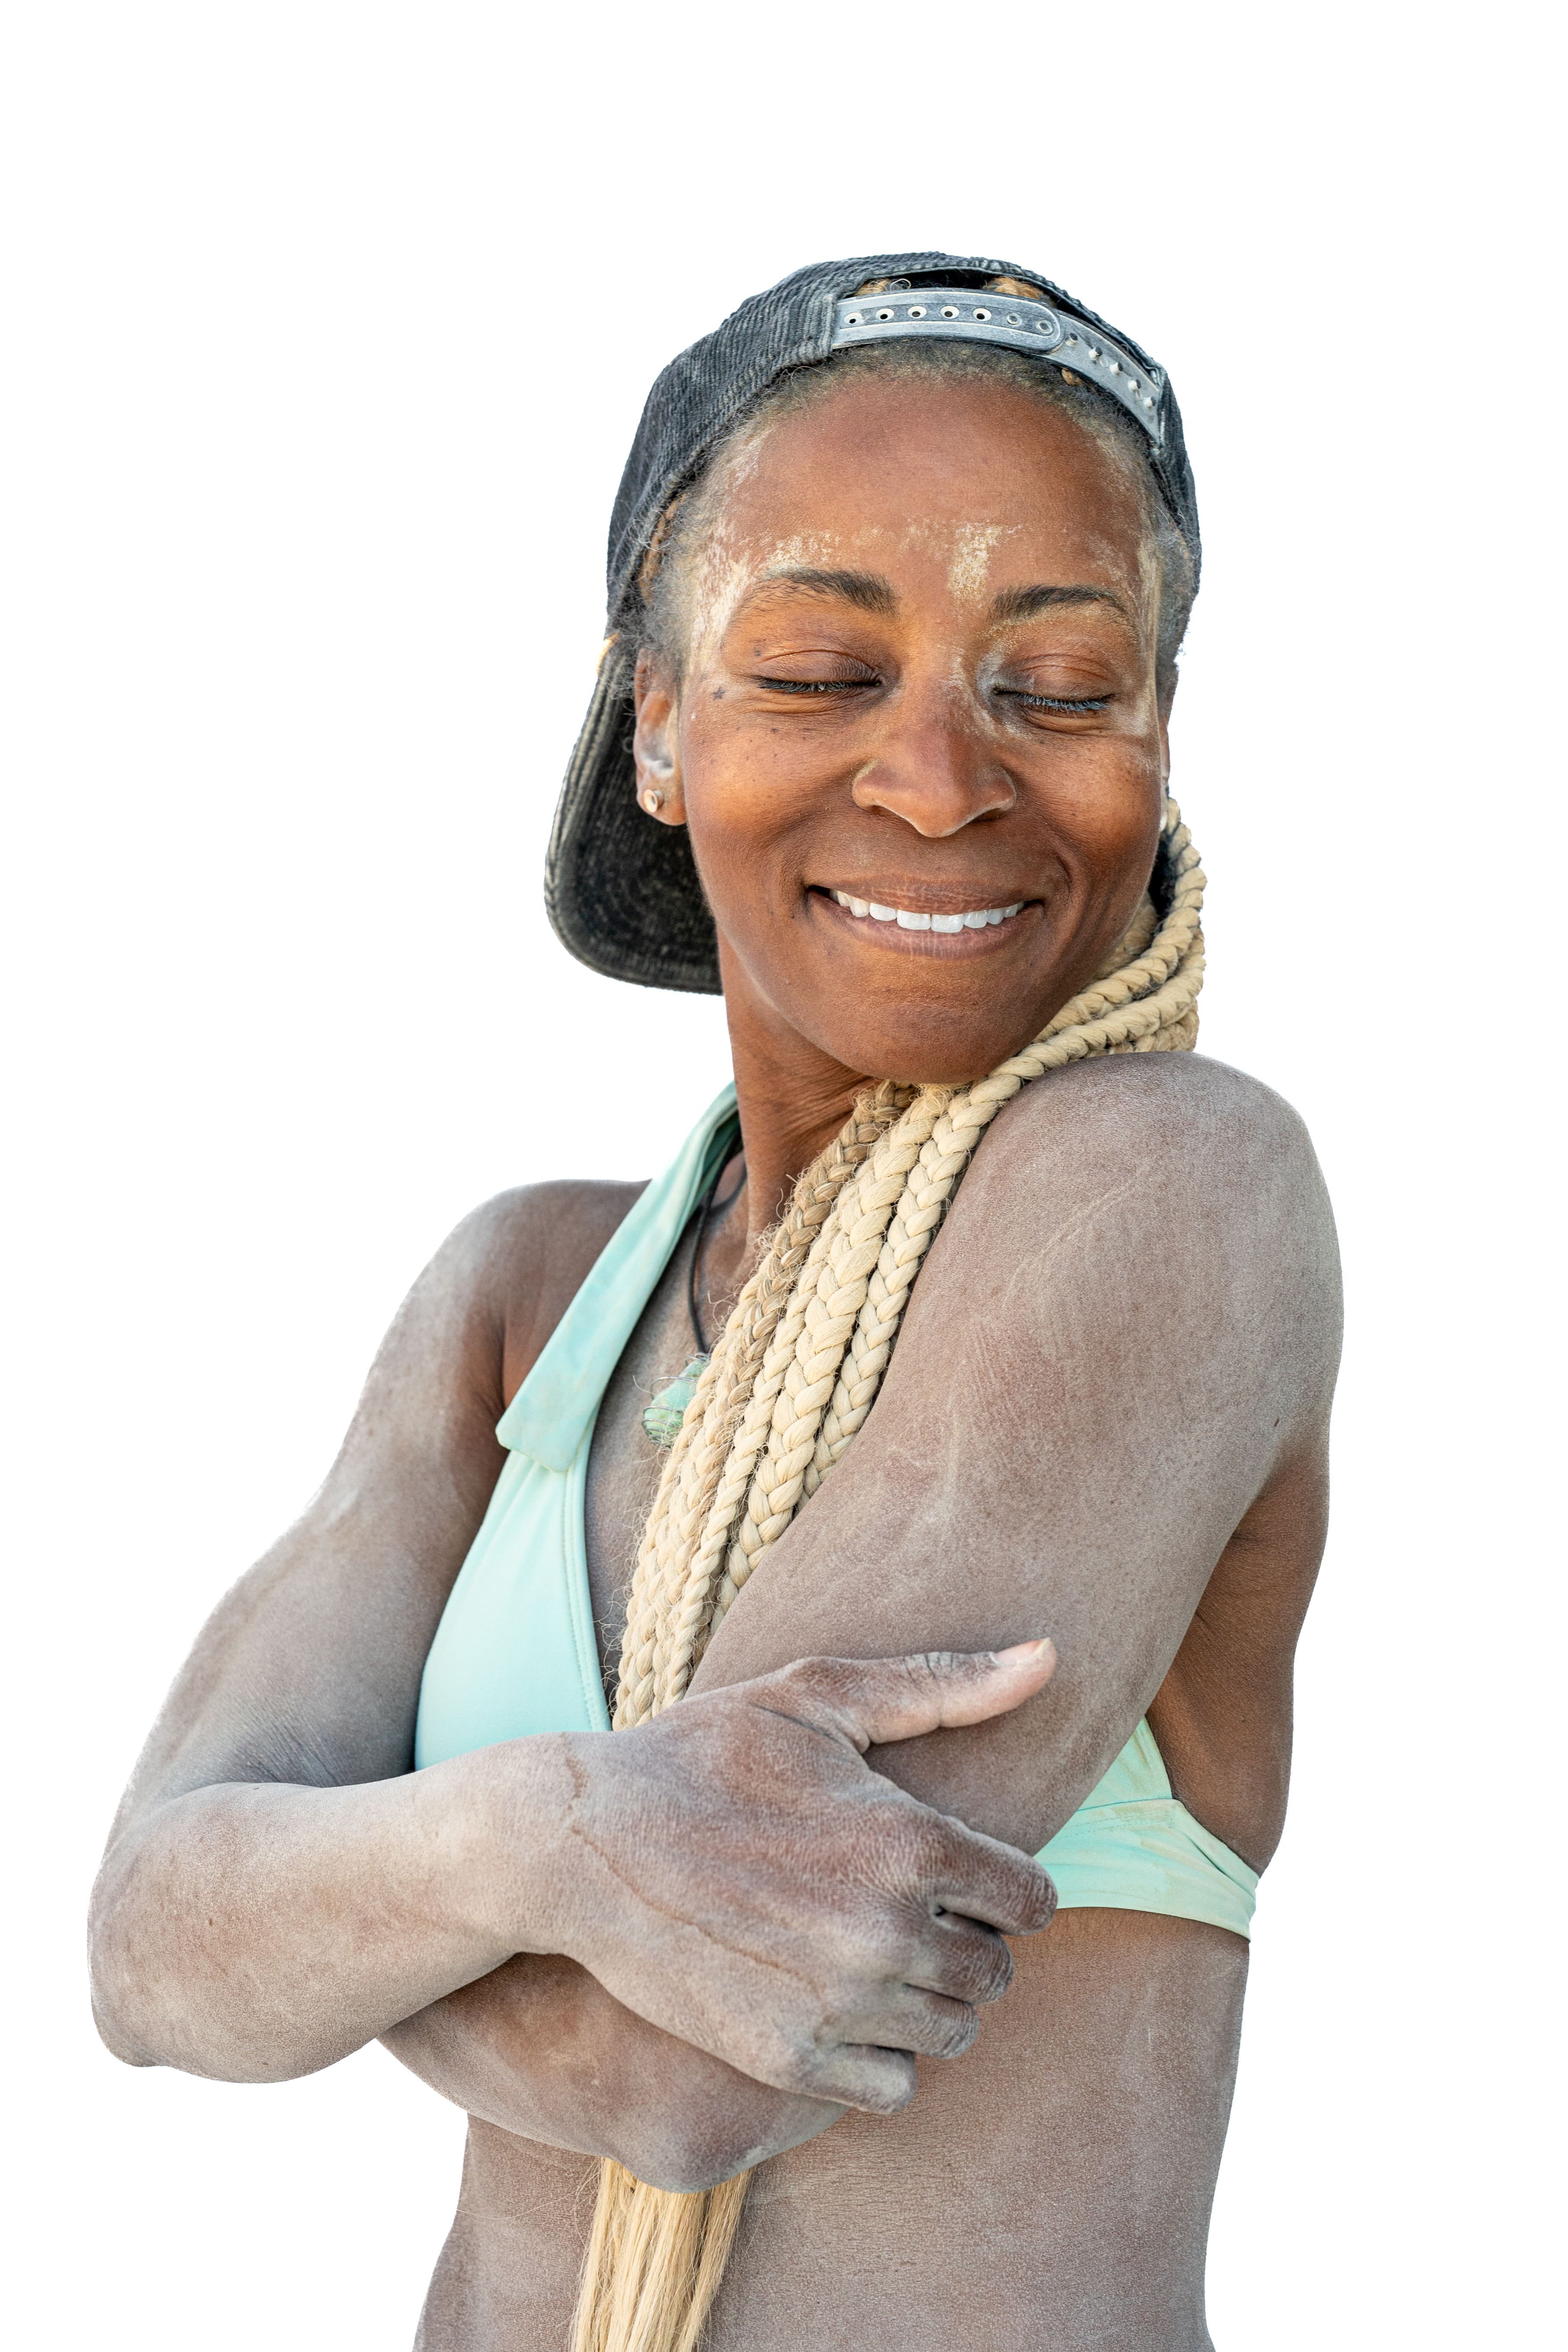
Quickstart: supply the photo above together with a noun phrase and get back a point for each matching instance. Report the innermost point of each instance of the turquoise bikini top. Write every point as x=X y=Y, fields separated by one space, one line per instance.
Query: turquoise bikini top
x=515 y=1651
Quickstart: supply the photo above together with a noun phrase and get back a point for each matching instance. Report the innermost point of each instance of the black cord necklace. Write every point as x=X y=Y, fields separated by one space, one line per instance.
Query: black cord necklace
x=710 y=1208
x=663 y=1417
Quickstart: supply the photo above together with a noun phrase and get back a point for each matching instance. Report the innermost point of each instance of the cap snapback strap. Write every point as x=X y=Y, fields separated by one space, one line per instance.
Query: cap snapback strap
x=956 y=315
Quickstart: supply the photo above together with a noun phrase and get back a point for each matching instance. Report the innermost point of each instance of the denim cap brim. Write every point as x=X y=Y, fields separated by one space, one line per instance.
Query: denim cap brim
x=621 y=889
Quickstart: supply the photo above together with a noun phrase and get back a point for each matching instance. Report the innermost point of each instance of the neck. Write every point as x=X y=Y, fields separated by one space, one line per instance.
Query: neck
x=792 y=1098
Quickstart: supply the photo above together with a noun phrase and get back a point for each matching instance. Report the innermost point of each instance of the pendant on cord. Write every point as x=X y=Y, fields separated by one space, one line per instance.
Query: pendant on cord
x=663 y=1417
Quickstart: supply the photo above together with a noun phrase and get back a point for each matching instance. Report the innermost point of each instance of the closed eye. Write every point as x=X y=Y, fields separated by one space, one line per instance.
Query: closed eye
x=816 y=685
x=1070 y=703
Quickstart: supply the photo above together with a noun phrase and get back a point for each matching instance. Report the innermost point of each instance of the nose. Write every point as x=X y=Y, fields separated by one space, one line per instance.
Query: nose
x=933 y=766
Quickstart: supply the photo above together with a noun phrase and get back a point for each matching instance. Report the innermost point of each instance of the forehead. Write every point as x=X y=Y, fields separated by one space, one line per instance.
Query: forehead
x=873 y=466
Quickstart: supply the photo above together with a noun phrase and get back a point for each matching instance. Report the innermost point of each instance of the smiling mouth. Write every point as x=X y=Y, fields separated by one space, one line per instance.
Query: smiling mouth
x=911 y=918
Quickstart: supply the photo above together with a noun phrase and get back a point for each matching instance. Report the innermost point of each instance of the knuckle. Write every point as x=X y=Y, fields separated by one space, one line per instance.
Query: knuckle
x=796 y=2069
x=1040 y=1900
x=922 y=1668
x=990 y=1968
x=1000 y=1975
x=807 y=1687
x=937 y=1850
x=888 y=1938
x=936 y=1665
x=958 y=2032
x=788 y=1689
x=801 y=1675
x=937 y=2026
x=968 y=1962
x=889 y=2085
x=1008 y=1888
x=899 y=1847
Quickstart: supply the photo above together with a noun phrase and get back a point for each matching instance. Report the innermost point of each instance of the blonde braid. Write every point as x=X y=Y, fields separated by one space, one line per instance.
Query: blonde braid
x=790 y=1384
x=721 y=1418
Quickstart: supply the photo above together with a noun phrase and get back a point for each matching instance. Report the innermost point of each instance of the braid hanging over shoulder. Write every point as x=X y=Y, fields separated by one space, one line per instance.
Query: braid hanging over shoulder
x=790 y=1384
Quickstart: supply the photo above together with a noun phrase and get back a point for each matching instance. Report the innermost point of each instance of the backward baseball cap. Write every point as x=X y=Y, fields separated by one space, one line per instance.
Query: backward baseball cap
x=621 y=890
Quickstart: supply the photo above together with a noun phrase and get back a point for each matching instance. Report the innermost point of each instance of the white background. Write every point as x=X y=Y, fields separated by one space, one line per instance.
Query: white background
x=329 y=326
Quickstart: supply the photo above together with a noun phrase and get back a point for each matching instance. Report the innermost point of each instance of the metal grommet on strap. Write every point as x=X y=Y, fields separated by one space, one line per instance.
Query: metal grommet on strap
x=954 y=314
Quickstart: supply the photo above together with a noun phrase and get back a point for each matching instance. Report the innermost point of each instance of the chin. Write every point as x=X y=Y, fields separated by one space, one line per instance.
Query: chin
x=932 y=1057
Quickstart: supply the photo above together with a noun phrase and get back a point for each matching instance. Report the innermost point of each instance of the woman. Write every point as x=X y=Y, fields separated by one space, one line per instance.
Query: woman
x=898 y=572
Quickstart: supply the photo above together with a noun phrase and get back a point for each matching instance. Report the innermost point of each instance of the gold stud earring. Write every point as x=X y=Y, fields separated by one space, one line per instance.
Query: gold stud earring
x=653 y=801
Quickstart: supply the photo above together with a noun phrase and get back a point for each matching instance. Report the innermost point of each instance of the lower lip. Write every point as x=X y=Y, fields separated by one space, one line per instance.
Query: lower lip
x=949 y=946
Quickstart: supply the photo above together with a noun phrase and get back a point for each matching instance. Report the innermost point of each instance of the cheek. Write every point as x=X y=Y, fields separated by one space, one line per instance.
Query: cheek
x=1106 y=842
x=737 y=860
x=739 y=810
x=1109 y=812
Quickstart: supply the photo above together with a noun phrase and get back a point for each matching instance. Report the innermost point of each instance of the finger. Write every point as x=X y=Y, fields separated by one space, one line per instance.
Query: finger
x=960 y=1960
x=874 y=1701
x=981 y=1878
x=879 y=2081
x=933 y=2027
x=907 y=2016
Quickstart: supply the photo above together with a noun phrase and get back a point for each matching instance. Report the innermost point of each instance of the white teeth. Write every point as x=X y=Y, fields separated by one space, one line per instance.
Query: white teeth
x=907 y=920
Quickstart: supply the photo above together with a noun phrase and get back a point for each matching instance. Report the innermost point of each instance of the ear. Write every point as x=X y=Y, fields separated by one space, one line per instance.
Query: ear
x=656 y=745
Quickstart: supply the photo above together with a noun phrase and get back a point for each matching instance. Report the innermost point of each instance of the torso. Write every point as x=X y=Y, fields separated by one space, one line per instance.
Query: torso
x=1051 y=2188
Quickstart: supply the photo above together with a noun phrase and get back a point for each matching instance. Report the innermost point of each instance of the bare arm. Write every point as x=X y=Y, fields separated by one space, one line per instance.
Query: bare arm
x=1106 y=1420
x=283 y=1741
x=279 y=1888
x=1120 y=1357
x=1037 y=1506
x=540 y=2049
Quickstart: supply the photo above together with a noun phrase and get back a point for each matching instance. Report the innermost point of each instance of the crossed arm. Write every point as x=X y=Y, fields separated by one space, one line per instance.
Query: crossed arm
x=692 y=1944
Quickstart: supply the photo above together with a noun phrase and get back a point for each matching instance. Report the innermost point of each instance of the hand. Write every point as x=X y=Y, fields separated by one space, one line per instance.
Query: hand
x=736 y=1874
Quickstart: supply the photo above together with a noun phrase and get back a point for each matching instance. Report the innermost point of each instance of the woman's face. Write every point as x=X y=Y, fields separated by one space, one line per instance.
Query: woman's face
x=920 y=676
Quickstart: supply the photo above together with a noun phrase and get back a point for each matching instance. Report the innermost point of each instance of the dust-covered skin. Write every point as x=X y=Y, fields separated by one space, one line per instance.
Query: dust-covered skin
x=696 y=1945
x=1052 y=2191
x=1069 y=2159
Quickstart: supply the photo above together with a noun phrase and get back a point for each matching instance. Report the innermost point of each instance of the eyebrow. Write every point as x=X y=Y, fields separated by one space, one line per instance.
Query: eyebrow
x=867 y=590
x=1024 y=603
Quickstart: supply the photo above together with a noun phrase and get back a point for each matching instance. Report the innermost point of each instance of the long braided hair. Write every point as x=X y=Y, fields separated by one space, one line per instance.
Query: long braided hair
x=801 y=1359
x=789 y=1384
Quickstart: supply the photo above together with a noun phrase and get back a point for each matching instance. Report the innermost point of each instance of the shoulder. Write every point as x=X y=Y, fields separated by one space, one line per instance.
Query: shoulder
x=1168 y=1195
x=518 y=1231
x=1177 y=1137
x=514 y=1264
x=1182 y=1108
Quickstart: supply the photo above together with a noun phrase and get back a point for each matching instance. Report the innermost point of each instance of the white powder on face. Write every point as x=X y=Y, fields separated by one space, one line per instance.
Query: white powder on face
x=725 y=568
x=973 y=544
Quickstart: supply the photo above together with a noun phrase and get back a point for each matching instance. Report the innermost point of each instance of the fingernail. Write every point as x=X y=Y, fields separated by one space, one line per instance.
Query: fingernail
x=1022 y=1654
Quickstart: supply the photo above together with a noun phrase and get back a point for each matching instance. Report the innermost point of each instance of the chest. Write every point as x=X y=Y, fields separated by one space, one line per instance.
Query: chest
x=623 y=1461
